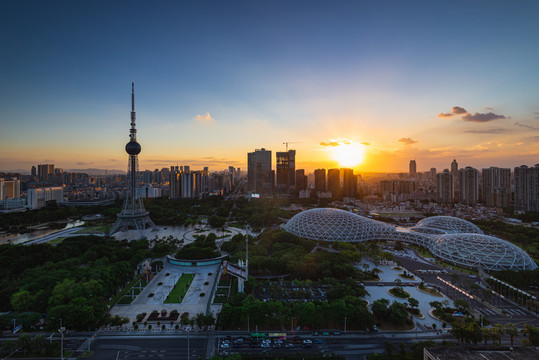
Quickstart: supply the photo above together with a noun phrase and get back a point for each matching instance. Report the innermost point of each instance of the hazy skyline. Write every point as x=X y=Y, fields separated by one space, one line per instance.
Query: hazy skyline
x=215 y=80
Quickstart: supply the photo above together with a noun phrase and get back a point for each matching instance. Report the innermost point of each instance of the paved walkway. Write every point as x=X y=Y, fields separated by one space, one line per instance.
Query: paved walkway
x=192 y=303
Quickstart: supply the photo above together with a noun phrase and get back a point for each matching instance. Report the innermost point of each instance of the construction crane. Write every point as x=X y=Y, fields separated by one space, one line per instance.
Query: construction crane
x=290 y=142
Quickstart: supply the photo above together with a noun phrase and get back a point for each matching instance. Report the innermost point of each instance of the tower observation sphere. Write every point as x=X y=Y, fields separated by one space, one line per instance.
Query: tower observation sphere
x=133 y=148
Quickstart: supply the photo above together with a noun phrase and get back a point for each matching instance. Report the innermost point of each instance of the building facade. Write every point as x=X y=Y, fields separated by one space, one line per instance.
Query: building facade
x=444 y=185
x=496 y=187
x=527 y=188
x=468 y=185
x=260 y=176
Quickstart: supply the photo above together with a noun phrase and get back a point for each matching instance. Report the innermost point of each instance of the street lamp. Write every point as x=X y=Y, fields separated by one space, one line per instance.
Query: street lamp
x=61 y=330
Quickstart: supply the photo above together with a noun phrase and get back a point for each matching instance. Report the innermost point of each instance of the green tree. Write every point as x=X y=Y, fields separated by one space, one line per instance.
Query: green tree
x=511 y=330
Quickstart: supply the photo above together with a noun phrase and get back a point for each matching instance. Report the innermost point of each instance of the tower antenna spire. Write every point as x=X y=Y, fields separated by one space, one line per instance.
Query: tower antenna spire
x=133 y=130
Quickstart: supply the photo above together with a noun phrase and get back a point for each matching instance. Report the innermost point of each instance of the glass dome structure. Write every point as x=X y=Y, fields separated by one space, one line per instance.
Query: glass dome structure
x=446 y=224
x=337 y=225
x=473 y=250
x=448 y=238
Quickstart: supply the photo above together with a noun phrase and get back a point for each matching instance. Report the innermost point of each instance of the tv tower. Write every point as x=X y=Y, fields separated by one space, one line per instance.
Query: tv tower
x=133 y=214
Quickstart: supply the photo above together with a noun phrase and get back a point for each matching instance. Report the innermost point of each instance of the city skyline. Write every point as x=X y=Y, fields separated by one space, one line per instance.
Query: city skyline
x=429 y=82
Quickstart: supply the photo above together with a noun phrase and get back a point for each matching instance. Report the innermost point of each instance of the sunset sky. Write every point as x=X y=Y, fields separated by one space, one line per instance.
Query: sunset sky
x=388 y=80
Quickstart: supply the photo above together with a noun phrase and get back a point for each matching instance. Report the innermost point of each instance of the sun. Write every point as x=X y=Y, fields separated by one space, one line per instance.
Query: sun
x=349 y=155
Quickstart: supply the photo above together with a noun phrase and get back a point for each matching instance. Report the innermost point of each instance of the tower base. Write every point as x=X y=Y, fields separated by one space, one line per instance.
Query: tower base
x=139 y=220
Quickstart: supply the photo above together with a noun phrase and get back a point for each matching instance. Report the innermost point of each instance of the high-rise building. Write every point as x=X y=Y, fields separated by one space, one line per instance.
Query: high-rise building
x=349 y=183
x=10 y=189
x=413 y=168
x=527 y=188
x=455 y=173
x=260 y=176
x=497 y=187
x=133 y=214
x=320 y=180
x=433 y=174
x=286 y=168
x=34 y=173
x=444 y=184
x=468 y=186
x=301 y=180
x=45 y=172
x=334 y=182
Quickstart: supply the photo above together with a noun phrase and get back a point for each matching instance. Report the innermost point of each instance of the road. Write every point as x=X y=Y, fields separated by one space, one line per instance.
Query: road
x=148 y=347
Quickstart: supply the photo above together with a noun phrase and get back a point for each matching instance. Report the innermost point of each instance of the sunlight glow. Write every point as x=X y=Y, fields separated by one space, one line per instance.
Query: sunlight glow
x=349 y=155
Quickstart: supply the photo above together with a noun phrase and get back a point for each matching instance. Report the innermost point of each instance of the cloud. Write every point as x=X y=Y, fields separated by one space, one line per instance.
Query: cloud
x=82 y=163
x=445 y=115
x=204 y=118
x=365 y=143
x=487 y=131
x=455 y=110
x=113 y=160
x=537 y=115
x=333 y=142
x=407 y=141
x=479 y=117
x=526 y=126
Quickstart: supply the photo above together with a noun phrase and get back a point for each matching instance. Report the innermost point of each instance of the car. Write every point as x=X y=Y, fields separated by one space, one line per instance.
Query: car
x=225 y=346
x=380 y=284
x=318 y=341
x=237 y=345
x=315 y=333
x=307 y=341
x=337 y=333
x=265 y=345
x=289 y=345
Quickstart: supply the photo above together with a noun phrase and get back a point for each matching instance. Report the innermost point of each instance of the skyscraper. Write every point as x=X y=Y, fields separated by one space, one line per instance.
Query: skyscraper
x=259 y=171
x=468 y=185
x=455 y=173
x=334 y=182
x=301 y=180
x=133 y=214
x=496 y=187
x=349 y=183
x=45 y=171
x=286 y=168
x=413 y=168
x=320 y=180
x=444 y=182
x=527 y=188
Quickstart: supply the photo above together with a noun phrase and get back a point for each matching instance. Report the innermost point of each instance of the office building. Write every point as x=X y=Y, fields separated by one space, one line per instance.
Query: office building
x=301 y=180
x=320 y=180
x=349 y=183
x=286 y=168
x=260 y=176
x=334 y=182
x=413 y=169
x=527 y=188
x=468 y=184
x=496 y=187
x=444 y=185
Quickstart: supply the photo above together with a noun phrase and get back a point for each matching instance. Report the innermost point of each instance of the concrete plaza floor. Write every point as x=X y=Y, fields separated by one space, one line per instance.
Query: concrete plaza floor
x=192 y=303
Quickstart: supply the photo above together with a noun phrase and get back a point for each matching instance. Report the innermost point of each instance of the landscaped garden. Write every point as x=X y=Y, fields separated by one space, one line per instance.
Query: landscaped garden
x=180 y=289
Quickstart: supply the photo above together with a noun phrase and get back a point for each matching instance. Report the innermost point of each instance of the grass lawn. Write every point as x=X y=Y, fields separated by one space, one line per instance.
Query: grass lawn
x=57 y=241
x=180 y=289
x=220 y=299
x=93 y=229
x=457 y=268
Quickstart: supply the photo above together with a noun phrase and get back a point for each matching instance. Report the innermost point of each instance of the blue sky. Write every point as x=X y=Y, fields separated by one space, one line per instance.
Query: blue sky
x=268 y=72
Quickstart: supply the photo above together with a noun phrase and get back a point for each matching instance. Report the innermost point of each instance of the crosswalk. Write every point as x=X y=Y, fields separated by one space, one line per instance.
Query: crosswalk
x=511 y=311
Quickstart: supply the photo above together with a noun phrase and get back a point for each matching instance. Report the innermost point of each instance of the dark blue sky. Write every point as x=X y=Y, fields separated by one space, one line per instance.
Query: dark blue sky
x=266 y=72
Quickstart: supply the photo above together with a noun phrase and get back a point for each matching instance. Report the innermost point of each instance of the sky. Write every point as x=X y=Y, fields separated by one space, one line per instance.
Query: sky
x=362 y=84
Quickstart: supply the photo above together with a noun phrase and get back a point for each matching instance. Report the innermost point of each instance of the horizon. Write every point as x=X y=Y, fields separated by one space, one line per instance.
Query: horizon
x=213 y=81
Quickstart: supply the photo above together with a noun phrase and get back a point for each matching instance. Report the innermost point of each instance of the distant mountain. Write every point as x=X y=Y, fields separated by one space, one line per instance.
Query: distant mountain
x=97 y=171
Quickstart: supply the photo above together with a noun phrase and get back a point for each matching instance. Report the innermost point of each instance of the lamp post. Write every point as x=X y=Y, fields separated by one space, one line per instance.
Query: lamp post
x=345 y=324
x=62 y=329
